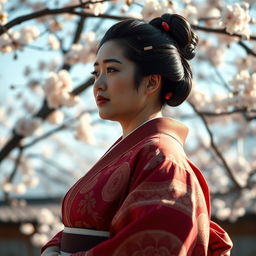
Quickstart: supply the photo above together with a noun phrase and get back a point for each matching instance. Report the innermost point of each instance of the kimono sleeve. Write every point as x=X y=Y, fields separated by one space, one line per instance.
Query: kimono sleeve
x=159 y=214
x=55 y=241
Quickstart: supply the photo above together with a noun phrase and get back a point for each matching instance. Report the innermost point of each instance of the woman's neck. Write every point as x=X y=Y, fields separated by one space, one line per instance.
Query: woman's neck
x=129 y=127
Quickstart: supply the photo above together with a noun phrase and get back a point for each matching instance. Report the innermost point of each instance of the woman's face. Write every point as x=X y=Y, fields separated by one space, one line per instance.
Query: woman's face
x=114 y=89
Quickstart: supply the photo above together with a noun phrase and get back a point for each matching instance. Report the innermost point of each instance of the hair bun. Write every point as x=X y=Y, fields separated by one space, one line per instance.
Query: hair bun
x=180 y=32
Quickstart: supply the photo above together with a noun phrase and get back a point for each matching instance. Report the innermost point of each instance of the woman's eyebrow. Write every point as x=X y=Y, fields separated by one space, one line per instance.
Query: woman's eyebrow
x=108 y=60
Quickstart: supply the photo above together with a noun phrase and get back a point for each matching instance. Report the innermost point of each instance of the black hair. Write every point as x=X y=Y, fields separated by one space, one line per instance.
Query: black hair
x=157 y=51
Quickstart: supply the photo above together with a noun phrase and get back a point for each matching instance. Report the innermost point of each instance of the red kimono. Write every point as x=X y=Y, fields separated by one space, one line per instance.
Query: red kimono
x=149 y=196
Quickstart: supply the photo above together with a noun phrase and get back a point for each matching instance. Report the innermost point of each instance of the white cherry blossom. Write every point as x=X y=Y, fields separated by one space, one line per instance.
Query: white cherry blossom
x=73 y=56
x=19 y=189
x=27 y=126
x=53 y=42
x=27 y=228
x=30 y=181
x=236 y=19
x=244 y=90
x=6 y=45
x=45 y=216
x=56 y=117
x=7 y=187
x=191 y=13
x=58 y=89
x=44 y=228
x=39 y=239
x=28 y=35
x=84 y=131
x=83 y=52
x=98 y=8
x=153 y=8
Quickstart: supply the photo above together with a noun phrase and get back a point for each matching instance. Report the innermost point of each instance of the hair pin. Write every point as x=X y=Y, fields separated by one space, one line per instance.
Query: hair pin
x=165 y=26
x=146 y=48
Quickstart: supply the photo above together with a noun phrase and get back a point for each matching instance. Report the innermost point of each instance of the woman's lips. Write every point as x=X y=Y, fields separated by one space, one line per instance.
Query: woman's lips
x=100 y=100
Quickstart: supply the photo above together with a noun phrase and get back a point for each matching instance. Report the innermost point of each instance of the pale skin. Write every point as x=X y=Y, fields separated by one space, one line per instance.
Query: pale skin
x=114 y=80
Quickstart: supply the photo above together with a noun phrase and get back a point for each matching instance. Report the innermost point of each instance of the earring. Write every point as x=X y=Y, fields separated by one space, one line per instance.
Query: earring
x=168 y=95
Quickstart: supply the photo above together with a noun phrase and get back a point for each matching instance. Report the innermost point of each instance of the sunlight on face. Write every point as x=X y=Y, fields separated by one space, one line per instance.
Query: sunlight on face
x=114 y=89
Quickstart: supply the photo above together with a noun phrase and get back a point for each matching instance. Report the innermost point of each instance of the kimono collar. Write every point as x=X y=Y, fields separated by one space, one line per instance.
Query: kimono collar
x=168 y=126
x=165 y=125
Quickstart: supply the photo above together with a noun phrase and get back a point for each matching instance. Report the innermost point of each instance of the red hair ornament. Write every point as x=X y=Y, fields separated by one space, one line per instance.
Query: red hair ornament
x=168 y=95
x=165 y=26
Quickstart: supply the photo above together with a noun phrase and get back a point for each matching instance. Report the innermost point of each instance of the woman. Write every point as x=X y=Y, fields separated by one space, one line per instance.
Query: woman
x=143 y=197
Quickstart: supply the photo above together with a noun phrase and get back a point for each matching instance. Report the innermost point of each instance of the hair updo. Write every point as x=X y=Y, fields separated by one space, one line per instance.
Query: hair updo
x=157 y=50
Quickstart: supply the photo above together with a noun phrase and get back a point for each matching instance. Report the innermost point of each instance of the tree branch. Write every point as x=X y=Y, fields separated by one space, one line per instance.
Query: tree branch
x=103 y=16
x=213 y=114
x=247 y=49
x=77 y=35
x=50 y=162
x=13 y=173
x=220 y=31
x=57 y=129
x=47 y=11
x=43 y=113
x=215 y=148
x=16 y=164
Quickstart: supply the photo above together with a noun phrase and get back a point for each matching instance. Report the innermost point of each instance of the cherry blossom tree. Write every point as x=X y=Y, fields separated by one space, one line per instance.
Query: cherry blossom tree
x=50 y=131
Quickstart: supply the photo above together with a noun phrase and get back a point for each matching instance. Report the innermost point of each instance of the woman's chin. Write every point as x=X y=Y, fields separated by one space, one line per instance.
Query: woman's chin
x=104 y=116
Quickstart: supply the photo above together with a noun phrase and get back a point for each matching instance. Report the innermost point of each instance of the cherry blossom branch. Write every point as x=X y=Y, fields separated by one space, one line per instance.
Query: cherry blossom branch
x=103 y=16
x=226 y=85
x=71 y=10
x=57 y=129
x=22 y=148
x=43 y=113
x=79 y=30
x=208 y=113
x=50 y=162
x=47 y=11
x=77 y=35
x=220 y=31
x=217 y=114
x=215 y=148
x=13 y=173
x=37 y=48
x=234 y=189
x=16 y=164
x=44 y=136
x=247 y=49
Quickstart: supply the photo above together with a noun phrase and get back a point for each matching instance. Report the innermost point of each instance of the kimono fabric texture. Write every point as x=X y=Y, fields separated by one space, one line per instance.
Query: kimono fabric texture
x=150 y=197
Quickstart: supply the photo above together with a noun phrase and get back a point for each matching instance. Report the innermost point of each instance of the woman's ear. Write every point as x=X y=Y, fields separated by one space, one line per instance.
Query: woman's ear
x=153 y=83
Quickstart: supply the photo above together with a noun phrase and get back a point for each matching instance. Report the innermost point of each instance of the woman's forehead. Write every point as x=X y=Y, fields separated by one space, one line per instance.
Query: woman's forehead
x=110 y=49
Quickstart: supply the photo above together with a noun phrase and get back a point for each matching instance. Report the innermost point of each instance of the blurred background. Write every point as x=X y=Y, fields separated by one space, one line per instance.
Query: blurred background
x=50 y=132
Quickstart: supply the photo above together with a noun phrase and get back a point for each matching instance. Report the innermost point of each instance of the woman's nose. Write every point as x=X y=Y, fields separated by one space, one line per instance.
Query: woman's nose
x=100 y=82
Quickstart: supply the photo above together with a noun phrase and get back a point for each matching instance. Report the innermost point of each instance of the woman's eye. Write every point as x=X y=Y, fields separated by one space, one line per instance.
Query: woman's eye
x=111 y=70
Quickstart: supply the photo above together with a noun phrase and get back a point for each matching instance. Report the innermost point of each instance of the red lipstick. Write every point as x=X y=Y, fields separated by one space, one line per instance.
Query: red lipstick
x=100 y=100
